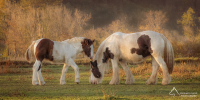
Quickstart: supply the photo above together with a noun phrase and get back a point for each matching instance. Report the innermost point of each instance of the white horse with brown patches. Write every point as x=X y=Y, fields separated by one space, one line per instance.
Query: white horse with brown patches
x=135 y=47
x=58 y=52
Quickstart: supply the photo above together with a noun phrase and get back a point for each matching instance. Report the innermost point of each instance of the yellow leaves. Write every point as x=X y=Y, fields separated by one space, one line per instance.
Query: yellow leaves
x=187 y=18
x=154 y=21
x=5 y=53
x=80 y=20
x=26 y=4
x=119 y=25
x=188 y=23
x=81 y=17
x=2 y=3
x=199 y=19
x=197 y=37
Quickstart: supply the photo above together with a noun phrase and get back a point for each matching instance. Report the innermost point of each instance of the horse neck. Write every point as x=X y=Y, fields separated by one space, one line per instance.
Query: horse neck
x=99 y=57
x=77 y=46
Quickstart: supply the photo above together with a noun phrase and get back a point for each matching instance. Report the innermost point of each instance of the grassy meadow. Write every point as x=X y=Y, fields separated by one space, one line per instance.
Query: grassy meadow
x=15 y=83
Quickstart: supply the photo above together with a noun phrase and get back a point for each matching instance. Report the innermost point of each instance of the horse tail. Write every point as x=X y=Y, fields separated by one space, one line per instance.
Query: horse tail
x=28 y=53
x=168 y=54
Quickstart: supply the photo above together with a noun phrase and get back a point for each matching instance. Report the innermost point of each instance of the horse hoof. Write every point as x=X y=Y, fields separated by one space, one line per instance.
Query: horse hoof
x=63 y=83
x=77 y=82
x=165 y=83
x=35 y=84
x=42 y=83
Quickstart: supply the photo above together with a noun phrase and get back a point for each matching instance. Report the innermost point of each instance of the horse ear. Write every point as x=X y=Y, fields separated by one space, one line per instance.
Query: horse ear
x=93 y=41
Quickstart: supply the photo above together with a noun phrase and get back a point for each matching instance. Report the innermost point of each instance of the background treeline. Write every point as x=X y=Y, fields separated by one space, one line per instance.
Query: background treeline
x=22 y=21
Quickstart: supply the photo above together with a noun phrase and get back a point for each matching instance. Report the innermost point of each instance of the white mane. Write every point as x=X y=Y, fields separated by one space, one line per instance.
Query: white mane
x=99 y=55
x=75 y=39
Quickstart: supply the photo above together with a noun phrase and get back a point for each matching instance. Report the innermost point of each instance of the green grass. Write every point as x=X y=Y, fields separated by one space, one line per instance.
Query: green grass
x=18 y=86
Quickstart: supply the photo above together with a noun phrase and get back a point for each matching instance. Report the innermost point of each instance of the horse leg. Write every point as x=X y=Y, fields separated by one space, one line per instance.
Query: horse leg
x=107 y=67
x=166 y=77
x=64 y=71
x=129 y=76
x=155 y=67
x=40 y=78
x=115 y=67
x=35 y=69
x=76 y=69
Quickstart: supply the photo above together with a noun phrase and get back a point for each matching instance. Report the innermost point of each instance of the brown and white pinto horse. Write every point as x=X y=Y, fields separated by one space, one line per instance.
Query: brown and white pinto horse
x=135 y=47
x=58 y=52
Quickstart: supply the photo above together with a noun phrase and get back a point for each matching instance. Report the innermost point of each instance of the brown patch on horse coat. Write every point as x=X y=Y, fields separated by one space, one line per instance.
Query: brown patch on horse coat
x=44 y=49
x=86 y=43
x=106 y=55
x=144 y=43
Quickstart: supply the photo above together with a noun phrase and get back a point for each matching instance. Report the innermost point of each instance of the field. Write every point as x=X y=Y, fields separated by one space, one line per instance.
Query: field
x=15 y=83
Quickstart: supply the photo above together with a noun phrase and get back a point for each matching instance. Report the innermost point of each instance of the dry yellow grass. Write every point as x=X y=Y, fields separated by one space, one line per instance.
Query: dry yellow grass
x=181 y=70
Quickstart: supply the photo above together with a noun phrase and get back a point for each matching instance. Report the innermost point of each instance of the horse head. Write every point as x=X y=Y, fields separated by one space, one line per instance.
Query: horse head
x=95 y=69
x=97 y=72
x=88 y=47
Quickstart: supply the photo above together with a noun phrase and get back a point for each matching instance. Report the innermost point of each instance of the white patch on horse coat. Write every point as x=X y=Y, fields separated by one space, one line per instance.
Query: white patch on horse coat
x=92 y=53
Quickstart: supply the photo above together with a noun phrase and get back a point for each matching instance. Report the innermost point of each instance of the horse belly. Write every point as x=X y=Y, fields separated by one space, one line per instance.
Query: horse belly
x=58 y=53
x=134 y=58
x=58 y=59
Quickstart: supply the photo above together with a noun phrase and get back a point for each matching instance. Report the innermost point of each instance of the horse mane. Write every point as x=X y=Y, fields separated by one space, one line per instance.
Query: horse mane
x=75 y=39
x=99 y=54
x=99 y=51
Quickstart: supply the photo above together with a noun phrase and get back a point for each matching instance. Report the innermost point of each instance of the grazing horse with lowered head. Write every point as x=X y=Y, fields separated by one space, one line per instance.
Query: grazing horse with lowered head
x=58 y=52
x=135 y=47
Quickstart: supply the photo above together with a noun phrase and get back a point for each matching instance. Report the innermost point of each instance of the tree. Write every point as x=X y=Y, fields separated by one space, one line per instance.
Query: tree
x=154 y=21
x=188 y=23
x=191 y=32
x=24 y=25
x=2 y=35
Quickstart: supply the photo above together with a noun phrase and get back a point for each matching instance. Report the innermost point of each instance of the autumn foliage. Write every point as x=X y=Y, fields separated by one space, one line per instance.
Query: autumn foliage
x=23 y=21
